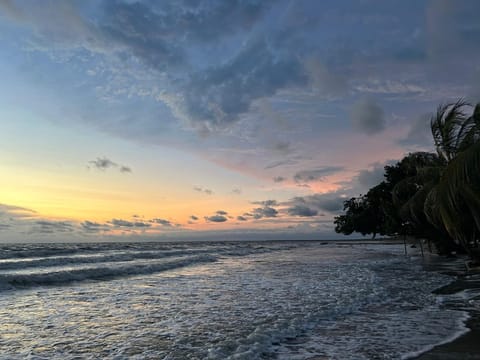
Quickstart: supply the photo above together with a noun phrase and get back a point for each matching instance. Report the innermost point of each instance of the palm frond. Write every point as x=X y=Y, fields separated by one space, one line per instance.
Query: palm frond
x=413 y=209
x=471 y=197
x=445 y=126
x=459 y=195
x=464 y=169
x=476 y=114
x=465 y=135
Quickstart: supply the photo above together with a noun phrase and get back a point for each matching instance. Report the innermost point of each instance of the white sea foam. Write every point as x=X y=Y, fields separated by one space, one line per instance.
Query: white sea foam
x=51 y=261
x=223 y=301
x=104 y=271
x=462 y=329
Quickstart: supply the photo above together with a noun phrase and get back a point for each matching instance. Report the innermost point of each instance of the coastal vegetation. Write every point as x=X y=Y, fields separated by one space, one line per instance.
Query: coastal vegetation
x=429 y=195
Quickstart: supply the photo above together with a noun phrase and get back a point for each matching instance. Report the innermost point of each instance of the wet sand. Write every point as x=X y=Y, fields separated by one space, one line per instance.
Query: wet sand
x=467 y=346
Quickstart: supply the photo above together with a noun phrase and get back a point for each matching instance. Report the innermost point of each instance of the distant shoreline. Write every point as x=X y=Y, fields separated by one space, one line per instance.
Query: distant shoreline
x=379 y=241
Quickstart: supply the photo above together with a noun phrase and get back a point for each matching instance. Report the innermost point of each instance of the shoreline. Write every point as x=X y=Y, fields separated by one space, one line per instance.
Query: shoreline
x=466 y=346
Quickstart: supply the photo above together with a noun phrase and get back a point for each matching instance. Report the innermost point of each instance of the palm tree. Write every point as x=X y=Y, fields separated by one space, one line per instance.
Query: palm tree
x=454 y=202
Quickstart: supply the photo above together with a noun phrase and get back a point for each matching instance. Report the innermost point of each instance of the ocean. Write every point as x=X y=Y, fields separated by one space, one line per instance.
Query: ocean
x=220 y=300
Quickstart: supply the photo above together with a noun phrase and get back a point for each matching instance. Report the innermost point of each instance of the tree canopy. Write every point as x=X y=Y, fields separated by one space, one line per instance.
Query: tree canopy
x=430 y=195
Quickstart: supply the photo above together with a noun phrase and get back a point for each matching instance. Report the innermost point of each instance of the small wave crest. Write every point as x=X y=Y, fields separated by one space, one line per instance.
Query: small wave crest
x=98 y=273
x=13 y=264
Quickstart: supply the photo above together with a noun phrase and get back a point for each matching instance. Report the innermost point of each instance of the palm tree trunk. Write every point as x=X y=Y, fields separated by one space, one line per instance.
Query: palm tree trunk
x=421 y=247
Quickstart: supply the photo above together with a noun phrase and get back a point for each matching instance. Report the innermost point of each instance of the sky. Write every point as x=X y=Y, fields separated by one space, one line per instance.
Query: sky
x=197 y=120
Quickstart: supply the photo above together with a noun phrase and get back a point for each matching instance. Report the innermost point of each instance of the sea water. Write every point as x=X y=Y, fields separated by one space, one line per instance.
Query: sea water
x=230 y=300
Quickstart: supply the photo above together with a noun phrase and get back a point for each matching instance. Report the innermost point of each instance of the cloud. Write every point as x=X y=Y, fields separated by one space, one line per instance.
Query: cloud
x=9 y=9
x=193 y=217
x=306 y=176
x=279 y=179
x=283 y=147
x=216 y=218
x=147 y=31
x=167 y=39
x=301 y=210
x=162 y=222
x=202 y=190
x=266 y=202
x=140 y=224
x=237 y=191
x=139 y=31
x=15 y=211
x=55 y=23
x=390 y=87
x=218 y=96
x=125 y=169
x=91 y=226
x=367 y=116
x=104 y=163
x=50 y=227
x=214 y=60
x=280 y=163
x=371 y=177
x=452 y=29
x=264 y=212
x=5 y=226
x=129 y=224
x=21 y=220
x=241 y=218
x=331 y=202
x=219 y=216
x=324 y=80
x=419 y=133
x=144 y=30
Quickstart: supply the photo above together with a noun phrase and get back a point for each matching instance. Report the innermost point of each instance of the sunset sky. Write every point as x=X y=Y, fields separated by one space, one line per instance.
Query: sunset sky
x=236 y=119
